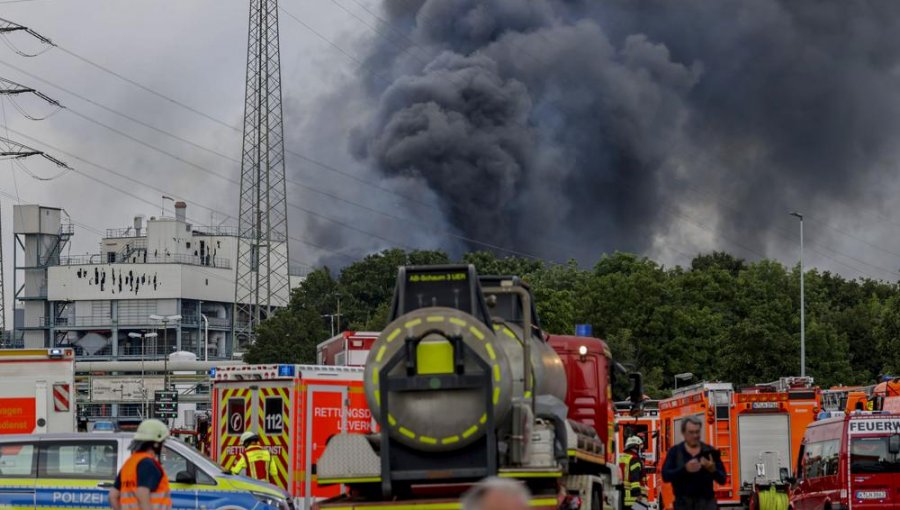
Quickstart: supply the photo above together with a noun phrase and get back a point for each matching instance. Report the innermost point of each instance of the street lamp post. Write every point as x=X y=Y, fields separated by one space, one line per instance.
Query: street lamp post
x=802 y=303
x=686 y=376
x=143 y=337
x=205 y=337
x=166 y=319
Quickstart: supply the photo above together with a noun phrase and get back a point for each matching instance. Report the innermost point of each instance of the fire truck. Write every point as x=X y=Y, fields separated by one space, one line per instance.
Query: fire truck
x=295 y=409
x=645 y=425
x=758 y=431
x=37 y=394
x=349 y=349
x=464 y=384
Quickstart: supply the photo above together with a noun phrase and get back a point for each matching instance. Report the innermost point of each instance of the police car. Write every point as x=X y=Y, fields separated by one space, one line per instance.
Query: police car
x=77 y=471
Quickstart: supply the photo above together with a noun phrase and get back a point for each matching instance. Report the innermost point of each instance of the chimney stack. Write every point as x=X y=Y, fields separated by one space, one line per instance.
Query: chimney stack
x=180 y=208
x=138 y=224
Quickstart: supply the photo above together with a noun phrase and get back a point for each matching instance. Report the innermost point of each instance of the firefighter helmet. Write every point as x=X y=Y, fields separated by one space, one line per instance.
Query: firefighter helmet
x=249 y=436
x=633 y=442
x=151 y=430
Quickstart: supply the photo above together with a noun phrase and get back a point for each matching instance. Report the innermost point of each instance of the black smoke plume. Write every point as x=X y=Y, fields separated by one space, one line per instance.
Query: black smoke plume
x=570 y=128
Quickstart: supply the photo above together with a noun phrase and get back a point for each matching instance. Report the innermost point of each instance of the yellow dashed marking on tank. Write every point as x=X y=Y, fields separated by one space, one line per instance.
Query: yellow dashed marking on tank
x=391 y=420
x=375 y=377
x=496 y=395
x=497 y=373
x=427 y=440
x=458 y=322
x=380 y=353
x=490 y=350
x=377 y=397
x=413 y=323
x=483 y=419
x=478 y=334
x=527 y=394
x=393 y=335
x=469 y=431
x=450 y=440
x=510 y=334
x=435 y=318
x=408 y=433
x=496 y=327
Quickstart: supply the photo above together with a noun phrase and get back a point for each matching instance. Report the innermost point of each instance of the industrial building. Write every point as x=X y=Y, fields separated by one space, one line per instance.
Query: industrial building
x=141 y=278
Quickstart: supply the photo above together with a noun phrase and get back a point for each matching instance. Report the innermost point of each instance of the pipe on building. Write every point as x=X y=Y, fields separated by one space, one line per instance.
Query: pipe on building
x=156 y=365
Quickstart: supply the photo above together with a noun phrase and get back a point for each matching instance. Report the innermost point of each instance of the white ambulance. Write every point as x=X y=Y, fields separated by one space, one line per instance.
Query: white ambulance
x=295 y=409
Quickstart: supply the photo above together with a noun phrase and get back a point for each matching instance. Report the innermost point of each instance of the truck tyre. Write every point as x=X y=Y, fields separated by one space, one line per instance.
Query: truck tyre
x=596 y=498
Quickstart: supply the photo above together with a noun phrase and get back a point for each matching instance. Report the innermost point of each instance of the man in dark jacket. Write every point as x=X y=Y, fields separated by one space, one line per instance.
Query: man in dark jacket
x=692 y=467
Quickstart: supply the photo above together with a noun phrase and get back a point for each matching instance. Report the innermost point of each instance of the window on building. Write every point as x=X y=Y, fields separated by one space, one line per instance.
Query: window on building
x=110 y=257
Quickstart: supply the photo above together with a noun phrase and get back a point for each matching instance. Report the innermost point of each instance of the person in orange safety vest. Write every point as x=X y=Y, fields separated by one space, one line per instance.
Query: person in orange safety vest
x=256 y=460
x=142 y=483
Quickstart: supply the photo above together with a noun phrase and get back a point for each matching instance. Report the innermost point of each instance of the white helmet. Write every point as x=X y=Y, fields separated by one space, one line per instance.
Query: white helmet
x=151 y=430
x=249 y=436
x=633 y=441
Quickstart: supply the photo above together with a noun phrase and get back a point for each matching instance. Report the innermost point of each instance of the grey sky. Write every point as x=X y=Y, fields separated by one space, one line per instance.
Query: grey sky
x=194 y=51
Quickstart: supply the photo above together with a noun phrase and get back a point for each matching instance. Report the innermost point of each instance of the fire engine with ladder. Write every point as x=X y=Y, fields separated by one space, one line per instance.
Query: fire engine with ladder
x=758 y=431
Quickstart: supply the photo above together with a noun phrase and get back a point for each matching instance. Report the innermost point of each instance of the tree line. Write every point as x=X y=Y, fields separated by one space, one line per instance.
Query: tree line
x=721 y=318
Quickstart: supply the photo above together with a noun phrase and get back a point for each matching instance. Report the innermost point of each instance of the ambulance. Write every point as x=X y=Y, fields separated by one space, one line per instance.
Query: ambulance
x=646 y=427
x=37 y=391
x=295 y=409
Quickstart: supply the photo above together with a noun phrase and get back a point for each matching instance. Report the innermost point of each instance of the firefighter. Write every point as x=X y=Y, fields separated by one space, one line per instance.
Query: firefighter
x=632 y=468
x=256 y=459
x=142 y=484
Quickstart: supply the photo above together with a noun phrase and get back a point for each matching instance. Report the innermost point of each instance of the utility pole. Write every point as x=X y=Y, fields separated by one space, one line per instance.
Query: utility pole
x=262 y=281
x=802 y=303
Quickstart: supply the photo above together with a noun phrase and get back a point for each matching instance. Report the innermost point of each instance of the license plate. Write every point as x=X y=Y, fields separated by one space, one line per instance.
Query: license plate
x=871 y=494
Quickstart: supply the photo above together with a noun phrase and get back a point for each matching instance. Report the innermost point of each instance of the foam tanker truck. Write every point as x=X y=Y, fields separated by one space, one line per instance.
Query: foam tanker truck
x=464 y=384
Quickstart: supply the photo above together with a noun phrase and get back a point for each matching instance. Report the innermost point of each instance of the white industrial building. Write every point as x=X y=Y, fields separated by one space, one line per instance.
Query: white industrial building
x=101 y=303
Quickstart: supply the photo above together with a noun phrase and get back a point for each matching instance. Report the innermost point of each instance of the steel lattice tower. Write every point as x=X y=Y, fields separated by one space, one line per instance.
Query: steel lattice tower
x=262 y=281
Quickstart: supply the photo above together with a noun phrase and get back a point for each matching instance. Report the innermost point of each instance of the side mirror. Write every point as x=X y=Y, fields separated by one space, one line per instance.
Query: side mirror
x=185 y=477
x=637 y=390
x=790 y=480
x=784 y=474
x=894 y=444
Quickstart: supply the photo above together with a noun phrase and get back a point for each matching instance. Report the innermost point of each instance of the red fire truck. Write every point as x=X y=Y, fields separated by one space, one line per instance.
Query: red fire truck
x=349 y=349
x=295 y=409
x=758 y=431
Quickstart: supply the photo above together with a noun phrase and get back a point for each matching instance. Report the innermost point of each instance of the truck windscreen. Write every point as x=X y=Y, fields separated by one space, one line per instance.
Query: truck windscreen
x=871 y=455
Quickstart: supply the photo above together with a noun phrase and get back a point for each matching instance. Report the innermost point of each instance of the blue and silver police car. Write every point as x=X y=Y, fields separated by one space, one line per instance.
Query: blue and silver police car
x=56 y=471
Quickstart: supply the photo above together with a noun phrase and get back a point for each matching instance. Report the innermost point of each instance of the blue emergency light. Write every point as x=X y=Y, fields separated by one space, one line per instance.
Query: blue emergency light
x=287 y=370
x=212 y=372
x=583 y=330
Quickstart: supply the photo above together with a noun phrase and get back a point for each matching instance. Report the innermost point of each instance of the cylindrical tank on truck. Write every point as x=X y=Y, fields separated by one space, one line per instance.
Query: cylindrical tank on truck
x=464 y=384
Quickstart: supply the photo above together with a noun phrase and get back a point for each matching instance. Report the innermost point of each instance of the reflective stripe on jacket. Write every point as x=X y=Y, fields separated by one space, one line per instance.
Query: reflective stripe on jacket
x=160 y=499
x=258 y=462
x=632 y=477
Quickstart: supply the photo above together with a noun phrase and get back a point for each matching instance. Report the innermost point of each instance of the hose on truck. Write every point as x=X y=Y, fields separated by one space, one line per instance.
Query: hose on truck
x=771 y=499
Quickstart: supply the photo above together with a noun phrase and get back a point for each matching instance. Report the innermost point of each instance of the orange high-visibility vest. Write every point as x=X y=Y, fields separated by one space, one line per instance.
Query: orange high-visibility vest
x=160 y=499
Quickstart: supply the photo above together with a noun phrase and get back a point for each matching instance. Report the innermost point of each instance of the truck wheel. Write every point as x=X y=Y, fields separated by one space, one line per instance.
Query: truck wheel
x=596 y=498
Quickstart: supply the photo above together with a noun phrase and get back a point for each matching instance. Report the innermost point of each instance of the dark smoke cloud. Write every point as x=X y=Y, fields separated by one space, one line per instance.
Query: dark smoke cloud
x=570 y=128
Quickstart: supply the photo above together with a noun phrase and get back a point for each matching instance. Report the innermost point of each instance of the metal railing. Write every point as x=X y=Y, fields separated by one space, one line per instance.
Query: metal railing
x=97 y=258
